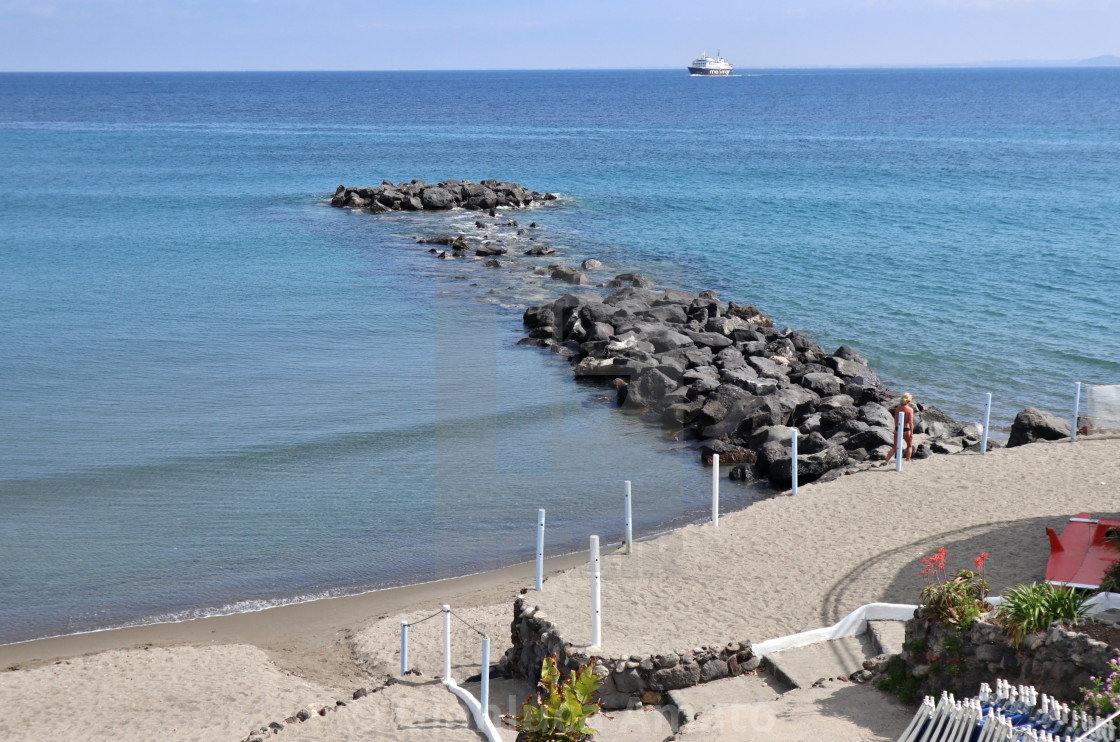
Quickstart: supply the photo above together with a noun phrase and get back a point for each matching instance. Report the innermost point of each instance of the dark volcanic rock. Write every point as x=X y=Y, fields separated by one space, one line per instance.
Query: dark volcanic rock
x=1035 y=425
x=810 y=467
x=823 y=384
x=745 y=417
x=728 y=453
x=569 y=275
x=436 y=198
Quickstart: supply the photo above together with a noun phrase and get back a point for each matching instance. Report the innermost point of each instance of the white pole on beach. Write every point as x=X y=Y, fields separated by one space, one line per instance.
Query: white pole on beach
x=715 y=489
x=540 y=549
x=898 y=443
x=793 y=463
x=987 y=417
x=629 y=522
x=1076 y=405
x=596 y=617
x=404 y=648
x=446 y=643
x=484 y=701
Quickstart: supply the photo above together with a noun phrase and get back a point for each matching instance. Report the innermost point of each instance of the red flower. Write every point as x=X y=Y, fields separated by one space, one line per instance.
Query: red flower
x=979 y=561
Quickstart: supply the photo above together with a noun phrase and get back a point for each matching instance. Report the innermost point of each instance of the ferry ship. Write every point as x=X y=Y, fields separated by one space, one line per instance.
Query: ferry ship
x=705 y=65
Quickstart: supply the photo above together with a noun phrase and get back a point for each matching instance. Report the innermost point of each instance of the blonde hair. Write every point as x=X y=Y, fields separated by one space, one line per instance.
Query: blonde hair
x=907 y=398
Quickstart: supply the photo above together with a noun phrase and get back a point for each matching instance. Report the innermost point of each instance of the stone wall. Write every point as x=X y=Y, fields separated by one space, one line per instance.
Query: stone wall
x=627 y=681
x=1059 y=661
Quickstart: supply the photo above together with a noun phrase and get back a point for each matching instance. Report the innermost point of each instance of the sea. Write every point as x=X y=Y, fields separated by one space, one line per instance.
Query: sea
x=219 y=394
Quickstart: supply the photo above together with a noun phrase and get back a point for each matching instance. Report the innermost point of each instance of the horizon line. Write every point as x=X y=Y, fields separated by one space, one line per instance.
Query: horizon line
x=1023 y=64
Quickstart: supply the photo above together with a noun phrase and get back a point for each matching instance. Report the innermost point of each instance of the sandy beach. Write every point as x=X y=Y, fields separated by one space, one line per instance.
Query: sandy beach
x=781 y=566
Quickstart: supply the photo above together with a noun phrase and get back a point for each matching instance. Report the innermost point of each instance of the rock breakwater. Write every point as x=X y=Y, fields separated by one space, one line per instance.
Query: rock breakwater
x=721 y=374
x=418 y=195
x=716 y=373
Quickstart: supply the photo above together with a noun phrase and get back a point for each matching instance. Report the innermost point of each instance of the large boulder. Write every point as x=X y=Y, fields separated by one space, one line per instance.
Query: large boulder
x=709 y=339
x=649 y=389
x=486 y=251
x=680 y=414
x=853 y=370
x=667 y=313
x=768 y=369
x=728 y=453
x=876 y=415
x=795 y=401
x=1035 y=425
x=823 y=384
x=717 y=405
x=745 y=417
x=810 y=467
x=664 y=339
x=869 y=439
x=732 y=358
x=767 y=455
x=437 y=199
x=569 y=275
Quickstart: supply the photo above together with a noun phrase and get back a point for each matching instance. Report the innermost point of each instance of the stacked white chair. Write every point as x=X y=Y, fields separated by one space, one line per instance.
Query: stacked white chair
x=1007 y=713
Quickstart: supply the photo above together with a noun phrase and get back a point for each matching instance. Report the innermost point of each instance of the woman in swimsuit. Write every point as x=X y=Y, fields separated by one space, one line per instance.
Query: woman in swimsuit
x=907 y=426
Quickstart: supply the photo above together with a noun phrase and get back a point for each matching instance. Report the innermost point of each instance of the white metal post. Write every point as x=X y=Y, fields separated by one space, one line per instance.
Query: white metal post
x=484 y=701
x=987 y=418
x=793 y=464
x=715 y=489
x=596 y=625
x=404 y=648
x=898 y=442
x=629 y=522
x=1076 y=406
x=540 y=549
x=446 y=643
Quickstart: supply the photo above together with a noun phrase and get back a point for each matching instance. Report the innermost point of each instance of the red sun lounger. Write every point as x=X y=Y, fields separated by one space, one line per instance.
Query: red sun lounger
x=1081 y=556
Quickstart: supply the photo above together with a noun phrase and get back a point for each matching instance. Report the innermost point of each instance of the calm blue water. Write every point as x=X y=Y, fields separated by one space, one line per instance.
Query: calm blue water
x=219 y=393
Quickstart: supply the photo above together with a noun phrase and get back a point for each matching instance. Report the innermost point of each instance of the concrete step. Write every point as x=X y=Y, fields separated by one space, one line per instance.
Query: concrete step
x=744 y=689
x=802 y=666
x=887 y=635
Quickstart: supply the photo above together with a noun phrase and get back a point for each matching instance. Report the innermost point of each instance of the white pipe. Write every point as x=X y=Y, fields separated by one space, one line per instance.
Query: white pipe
x=629 y=522
x=898 y=443
x=481 y=718
x=404 y=648
x=446 y=643
x=793 y=448
x=715 y=489
x=1076 y=406
x=596 y=618
x=484 y=701
x=540 y=549
x=987 y=417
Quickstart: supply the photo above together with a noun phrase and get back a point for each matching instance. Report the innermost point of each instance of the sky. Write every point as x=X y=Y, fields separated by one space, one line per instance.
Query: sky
x=158 y=35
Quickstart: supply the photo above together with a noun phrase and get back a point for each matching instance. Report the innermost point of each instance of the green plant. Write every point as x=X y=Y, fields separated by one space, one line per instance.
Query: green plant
x=564 y=707
x=958 y=600
x=954 y=646
x=916 y=646
x=899 y=680
x=1102 y=695
x=1029 y=609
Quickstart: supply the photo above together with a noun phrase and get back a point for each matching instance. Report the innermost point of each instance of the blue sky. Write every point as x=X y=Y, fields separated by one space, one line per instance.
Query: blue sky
x=82 y=35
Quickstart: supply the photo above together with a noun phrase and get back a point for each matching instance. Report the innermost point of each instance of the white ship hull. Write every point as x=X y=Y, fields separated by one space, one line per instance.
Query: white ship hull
x=709 y=71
